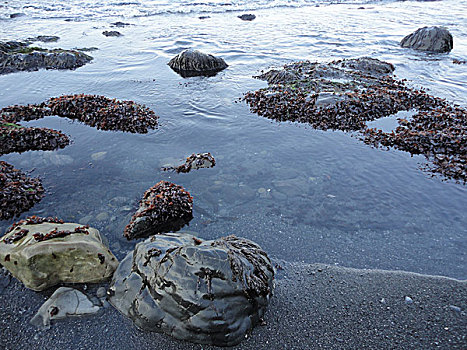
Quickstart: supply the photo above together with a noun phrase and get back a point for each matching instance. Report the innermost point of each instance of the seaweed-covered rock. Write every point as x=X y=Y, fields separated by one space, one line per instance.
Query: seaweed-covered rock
x=18 y=192
x=211 y=292
x=165 y=207
x=63 y=303
x=193 y=162
x=42 y=252
x=18 y=56
x=435 y=39
x=190 y=63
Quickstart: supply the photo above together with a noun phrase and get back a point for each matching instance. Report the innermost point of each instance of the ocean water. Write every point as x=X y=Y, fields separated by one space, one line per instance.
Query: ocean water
x=303 y=195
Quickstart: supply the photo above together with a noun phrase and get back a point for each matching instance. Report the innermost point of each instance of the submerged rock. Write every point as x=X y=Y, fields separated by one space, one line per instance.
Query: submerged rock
x=247 y=17
x=190 y=63
x=42 y=252
x=112 y=33
x=435 y=39
x=211 y=292
x=193 y=162
x=45 y=38
x=165 y=207
x=18 y=192
x=63 y=303
x=18 y=56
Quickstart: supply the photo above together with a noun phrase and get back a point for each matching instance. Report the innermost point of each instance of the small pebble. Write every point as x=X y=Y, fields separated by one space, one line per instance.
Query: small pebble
x=408 y=300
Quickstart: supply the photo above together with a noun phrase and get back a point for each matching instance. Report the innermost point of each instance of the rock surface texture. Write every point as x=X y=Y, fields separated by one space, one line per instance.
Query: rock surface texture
x=18 y=56
x=42 y=252
x=211 y=292
x=165 y=207
x=435 y=39
x=63 y=303
x=191 y=63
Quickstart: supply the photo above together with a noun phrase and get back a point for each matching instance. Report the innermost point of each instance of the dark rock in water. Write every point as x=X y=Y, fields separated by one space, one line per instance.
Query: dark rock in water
x=204 y=17
x=346 y=94
x=190 y=63
x=64 y=302
x=120 y=24
x=43 y=252
x=247 y=17
x=165 y=207
x=111 y=33
x=45 y=38
x=211 y=292
x=435 y=39
x=193 y=162
x=16 y=15
x=18 y=56
x=18 y=192
x=459 y=61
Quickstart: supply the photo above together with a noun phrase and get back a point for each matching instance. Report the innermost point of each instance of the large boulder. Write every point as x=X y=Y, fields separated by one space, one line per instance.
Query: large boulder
x=435 y=39
x=165 y=207
x=190 y=63
x=42 y=252
x=211 y=292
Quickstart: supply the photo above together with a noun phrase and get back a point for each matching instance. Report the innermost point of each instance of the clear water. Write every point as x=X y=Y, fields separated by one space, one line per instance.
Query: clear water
x=302 y=194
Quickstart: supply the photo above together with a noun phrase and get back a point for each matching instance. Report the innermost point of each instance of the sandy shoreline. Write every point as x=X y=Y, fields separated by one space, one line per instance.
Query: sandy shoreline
x=315 y=306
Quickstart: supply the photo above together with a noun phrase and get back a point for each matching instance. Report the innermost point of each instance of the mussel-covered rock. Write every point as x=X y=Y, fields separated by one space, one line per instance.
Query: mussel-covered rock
x=193 y=162
x=42 y=252
x=211 y=292
x=190 y=63
x=435 y=39
x=165 y=207
x=64 y=302
x=18 y=192
x=18 y=56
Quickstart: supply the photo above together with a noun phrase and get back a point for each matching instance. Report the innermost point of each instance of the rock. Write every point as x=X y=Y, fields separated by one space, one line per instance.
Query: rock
x=247 y=17
x=98 y=155
x=63 y=303
x=120 y=24
x=18 y=56
x=408 y=300
x=111 y=33
x=16 y=15
x=191 y=63
x=45 y=38
x=211 y=292
x=165 y=207
x=204 y=17
x=435 y=39
x=42 y=252
x=101 y=292
x=193 y=162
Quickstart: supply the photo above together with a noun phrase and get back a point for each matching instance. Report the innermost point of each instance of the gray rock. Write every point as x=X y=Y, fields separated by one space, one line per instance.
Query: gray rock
x=63 y=303
x=211 y=292
x=111 y=33
x=45 y=38
x=247 y=17
x=435 y=39
x=191 y=63
x=44 y=252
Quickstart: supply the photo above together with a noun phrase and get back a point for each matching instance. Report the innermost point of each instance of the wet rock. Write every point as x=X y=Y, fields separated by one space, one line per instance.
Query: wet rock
x=18 y=56
x=247 y=17
x=64 y=302
x=120 y=24
x=18 y=192
x=113 y=33
x=209 y=292
x=193 y=162
x=435 y=39
x=16 y=15
x=42 y=252
x=165 y=207
x=190 y=63
x=204 y=17
x=45 y=38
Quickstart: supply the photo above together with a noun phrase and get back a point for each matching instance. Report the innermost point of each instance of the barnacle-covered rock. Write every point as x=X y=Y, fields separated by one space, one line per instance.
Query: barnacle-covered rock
x=165 y=207
x=211 y=292
x=42 y=252
x=18 y=192
x=435 y=39
x=18 y=56
x=190 y=63
x=63 y=303
x=193 y=162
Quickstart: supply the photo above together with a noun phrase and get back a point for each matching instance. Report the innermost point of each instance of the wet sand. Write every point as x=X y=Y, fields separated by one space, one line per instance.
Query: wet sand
x=315 y=306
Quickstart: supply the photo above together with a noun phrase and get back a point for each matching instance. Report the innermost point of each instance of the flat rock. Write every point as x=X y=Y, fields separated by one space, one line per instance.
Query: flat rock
x=165 y=207
x=111 y=33
x=435 y=39
x=42 y=252
x=211 y=292
x=247 y=17
x=191 y=63
x=63 y=303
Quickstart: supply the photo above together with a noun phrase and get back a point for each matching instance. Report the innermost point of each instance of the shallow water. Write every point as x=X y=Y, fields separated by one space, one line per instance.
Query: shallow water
x=303 y=195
